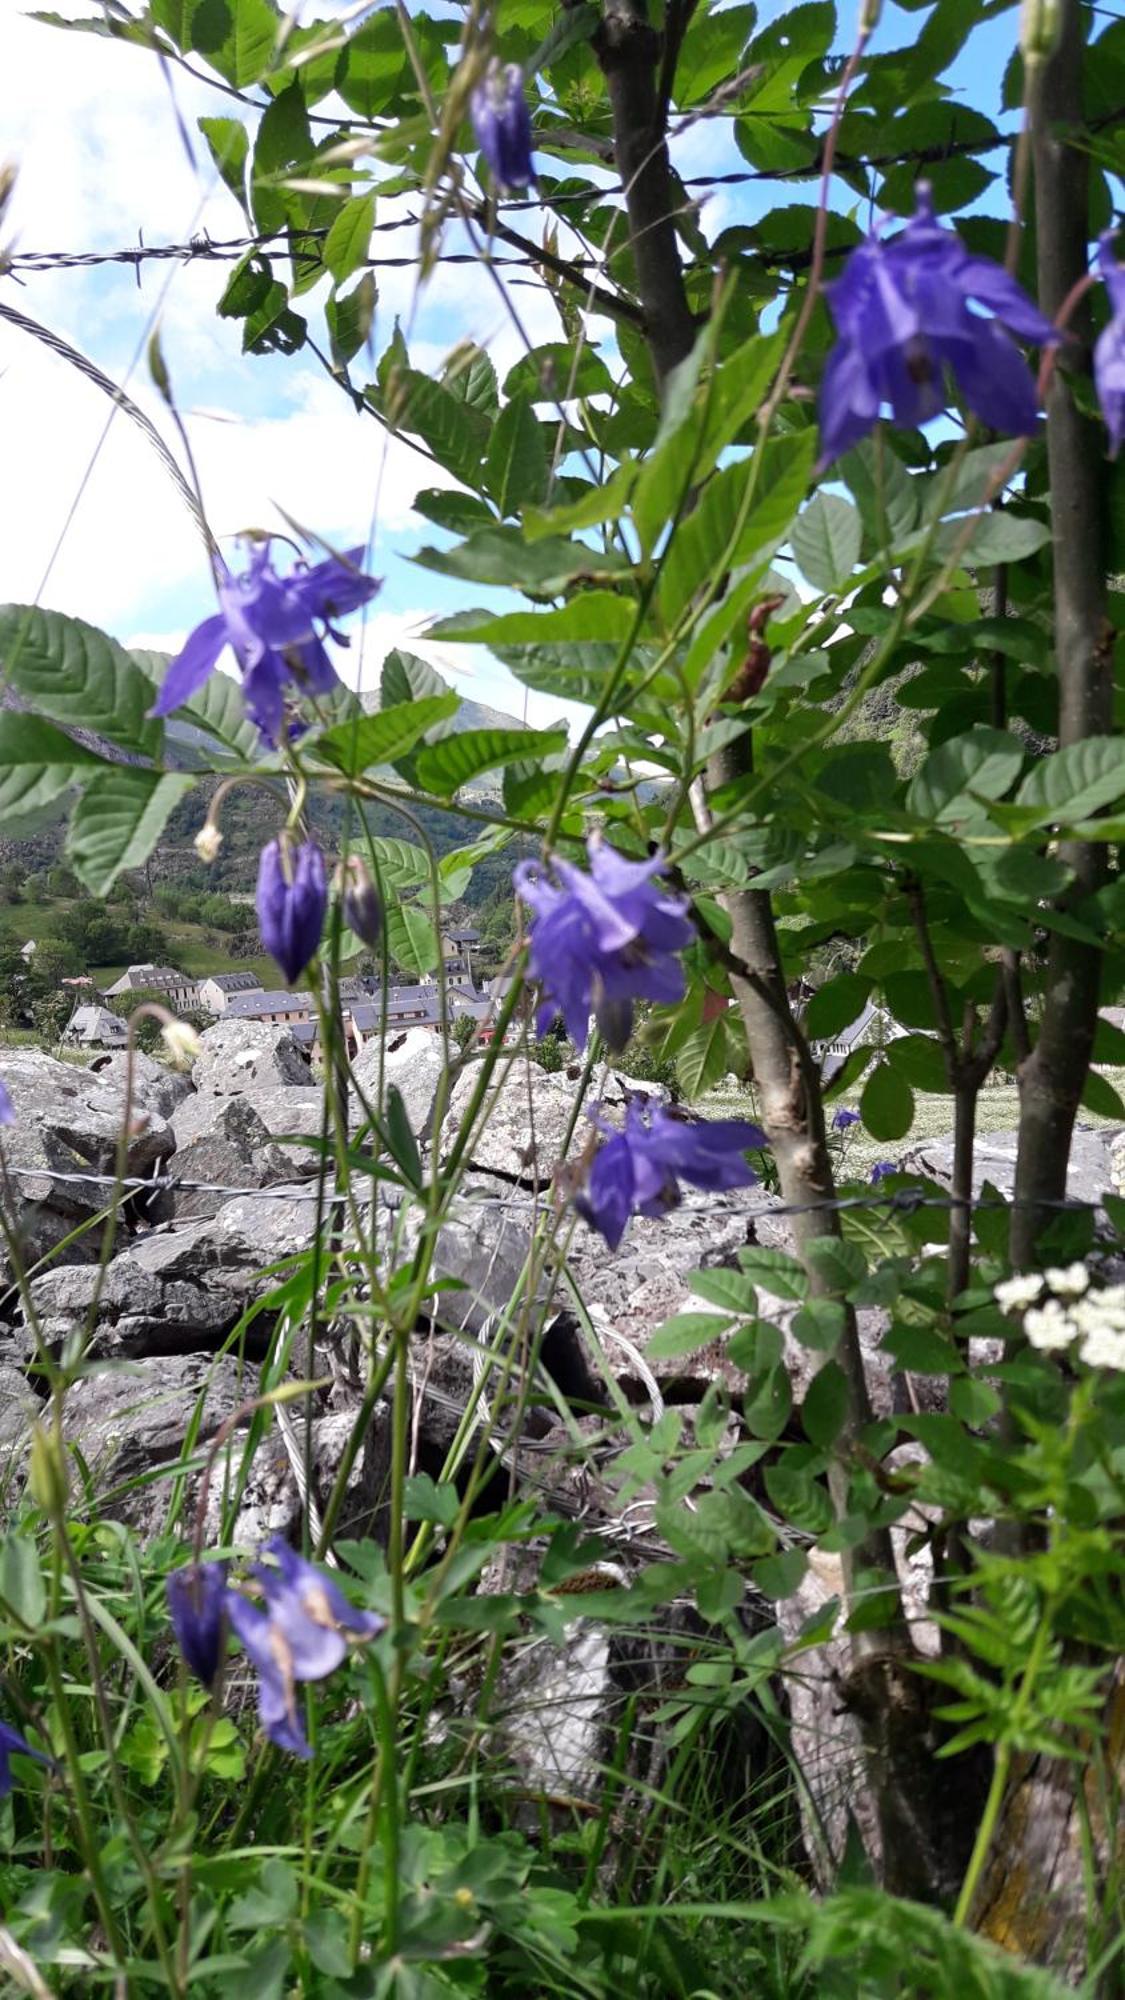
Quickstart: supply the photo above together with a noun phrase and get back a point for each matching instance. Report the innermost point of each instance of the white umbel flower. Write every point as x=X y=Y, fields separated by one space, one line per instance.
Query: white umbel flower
x=1049 y=1328
x=1068 y=1282
x=1014 y=1294
x=1104 y=1346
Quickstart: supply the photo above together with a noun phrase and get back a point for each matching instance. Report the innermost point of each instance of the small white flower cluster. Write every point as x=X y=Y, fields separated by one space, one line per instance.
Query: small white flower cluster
x=1072 y=1312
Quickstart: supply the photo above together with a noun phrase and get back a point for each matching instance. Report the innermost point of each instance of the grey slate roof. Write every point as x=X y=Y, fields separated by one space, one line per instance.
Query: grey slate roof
x=232 y=982
x=255 y=1006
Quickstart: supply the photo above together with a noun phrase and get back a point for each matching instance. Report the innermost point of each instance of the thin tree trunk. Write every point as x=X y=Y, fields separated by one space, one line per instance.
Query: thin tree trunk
x=1052 y=1078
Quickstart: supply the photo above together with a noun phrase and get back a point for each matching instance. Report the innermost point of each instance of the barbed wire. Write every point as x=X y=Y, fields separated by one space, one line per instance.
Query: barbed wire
x=902 y=1201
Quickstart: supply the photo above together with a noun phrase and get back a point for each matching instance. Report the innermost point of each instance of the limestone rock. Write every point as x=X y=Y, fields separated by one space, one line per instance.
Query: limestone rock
x=67 y=1125
x=156 y=1085
x=243 y=1055
x=414 y=1062
x=129 y=1420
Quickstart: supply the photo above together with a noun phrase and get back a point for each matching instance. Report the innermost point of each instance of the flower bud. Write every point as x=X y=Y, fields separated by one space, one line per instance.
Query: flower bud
x=197 y=1606
x=7 y=1108
x=46 y=1475
x=181 y=1042
x=208 y=841
x=292 y=901
x=502 y=123
x=869 y=12
x=359 y=899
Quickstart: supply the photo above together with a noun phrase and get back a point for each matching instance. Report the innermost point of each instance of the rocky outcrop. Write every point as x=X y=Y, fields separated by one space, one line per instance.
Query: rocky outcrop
x=239 y=1056
x=60 y=1156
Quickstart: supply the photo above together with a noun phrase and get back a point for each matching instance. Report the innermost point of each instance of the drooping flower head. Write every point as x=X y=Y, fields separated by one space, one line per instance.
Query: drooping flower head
x=301 y=1633
x=197 y=1597
x=903 y=311
x=275 y=625
x=1109 y=348
x=359 y=898
x=502 y=123
x=11 y=1741
x=602 y=940
x=7 y=1108
x=638 y=1169
x=292 y=900
x=881 y=1169
x=843 y=1118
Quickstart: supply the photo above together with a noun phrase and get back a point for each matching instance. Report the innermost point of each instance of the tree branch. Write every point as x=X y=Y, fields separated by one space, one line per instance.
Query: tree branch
x=1054 y=1073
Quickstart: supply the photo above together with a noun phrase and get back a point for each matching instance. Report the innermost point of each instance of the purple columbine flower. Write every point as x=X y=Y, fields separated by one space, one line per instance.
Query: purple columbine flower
x=1109 y=349
x=197 y=1597
x=881 y=1169
x=11 y=1741
x=311 y=1612
x=902 y=310
x=7 y=1108
x=638 y=1169
x=502 y=123
x=843 y=1118
x=602 y=940
x=301 y=1633
x=269 y=1656
x=292 y=902
x=275 y=626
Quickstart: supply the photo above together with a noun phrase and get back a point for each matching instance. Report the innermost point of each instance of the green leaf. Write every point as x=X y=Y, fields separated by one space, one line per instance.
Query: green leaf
x=469 y=375
x=77 y=675
x=457 y=434
x=995 y=538
x=744 y=514
x=38 y=763
x=1099 y=1096
x=797 y=1494
x=349 y=239
x=283 y=144
x=1069 y=783
x=776 y=1271
x=592 y=615
x=515 y=466
x=826 y=538
x=407 y=678
x=350 y=317
x=885 y=492
x=922 y=1351
x=685 y=1333
x=444 y=767
x=709 y=1052
x=500 y=554
x=411 y=938
x=819 y=1324
x=374 y=66
x=824 y=1409
x=21 y=1579
x=780 y=1575
x=401 y=1143
x=732 y=1290
x=887 y=1104
x=401 y=865
x=382 y=738
x=119 y=817
x=983 y=761
x=835 y=1006
x=920 y=1060
x=229 y=145
x=841 y=1265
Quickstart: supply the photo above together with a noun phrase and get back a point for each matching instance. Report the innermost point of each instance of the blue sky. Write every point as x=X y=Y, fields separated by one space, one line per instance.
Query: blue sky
x=95 y=138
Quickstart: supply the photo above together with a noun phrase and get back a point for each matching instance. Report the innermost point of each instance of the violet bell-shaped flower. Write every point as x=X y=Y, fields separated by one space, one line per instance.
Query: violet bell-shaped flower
x=903 y=312
x=301 y=1633
x=844 y=1117
x=197 y=1597
x=292 y=901
x=638 y=1169
x=600 y=941
x=1109 y=348
x=502 y=124
x=12 y=1743
x=7 y=1108
x=275 y=625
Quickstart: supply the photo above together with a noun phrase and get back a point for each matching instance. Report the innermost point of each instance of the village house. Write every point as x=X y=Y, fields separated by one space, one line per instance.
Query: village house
x=174 y=988
x=96 y=1028
x=219 y=988
x=277 y=1006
